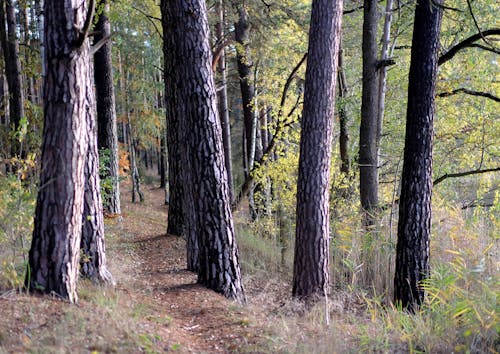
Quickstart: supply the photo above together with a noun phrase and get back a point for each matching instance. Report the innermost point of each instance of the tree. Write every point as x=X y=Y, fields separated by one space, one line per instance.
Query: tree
x=311 y=270
x=368 y=137
x=55 y=247
x=191 y=98
x=10 y=46
x=412 y=251
x=106 y=112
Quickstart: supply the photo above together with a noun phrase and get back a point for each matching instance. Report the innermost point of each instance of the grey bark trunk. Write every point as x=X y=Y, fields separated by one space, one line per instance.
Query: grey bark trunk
x=311 y=262
x=414 y=226
x=55 y=248
x=191 y=97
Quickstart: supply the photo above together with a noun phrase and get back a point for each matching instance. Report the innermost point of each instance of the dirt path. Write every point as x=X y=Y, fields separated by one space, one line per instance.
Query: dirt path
x=194 y=318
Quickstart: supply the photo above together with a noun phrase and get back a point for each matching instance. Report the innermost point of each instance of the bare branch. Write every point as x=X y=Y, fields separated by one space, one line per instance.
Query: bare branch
x=469 y=92
x=150 y=19
x=462 y=174
x=218 y=51
x=98 y=45
x=86 y=26
x=466 y=43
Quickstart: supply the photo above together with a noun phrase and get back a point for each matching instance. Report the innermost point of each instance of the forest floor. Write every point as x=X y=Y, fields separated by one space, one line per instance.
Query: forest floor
x=158 y=307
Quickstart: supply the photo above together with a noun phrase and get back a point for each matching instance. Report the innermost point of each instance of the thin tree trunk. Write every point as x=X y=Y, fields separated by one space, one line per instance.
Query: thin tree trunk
x=222 y=99
x=311 y=262
x=107 y=137
x=368 y=158
x=55 y=247
x=242 y=37
x=345 y=159
x=414 y=226
x=10 y=46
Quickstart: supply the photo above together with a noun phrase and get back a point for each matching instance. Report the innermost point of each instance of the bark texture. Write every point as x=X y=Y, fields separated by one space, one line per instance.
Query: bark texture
x=191 y=97
x=368 y=137
x=93 y=250
x=412 y=251
x=55 y=248
x=107 y=137
x=311 y=263
x=176 y=217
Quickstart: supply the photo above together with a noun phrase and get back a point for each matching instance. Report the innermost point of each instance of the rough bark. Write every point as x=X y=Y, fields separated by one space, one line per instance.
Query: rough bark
x=55 y=248
x=311 y=262
x=107 y=137
x=93 y=251
x=191 y=97
x=176 y=217
x=412 y=251
x=368 y=156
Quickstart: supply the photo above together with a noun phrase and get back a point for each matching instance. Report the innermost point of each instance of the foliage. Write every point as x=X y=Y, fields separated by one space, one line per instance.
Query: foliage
x=17 y=203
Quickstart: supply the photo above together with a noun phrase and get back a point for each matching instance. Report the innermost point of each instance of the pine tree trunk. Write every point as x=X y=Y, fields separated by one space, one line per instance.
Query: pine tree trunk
x=311 y=262
x=345 y=159
x=107 y=137
x=188 y=69
x=368 y=157
x=176 y=214
x=93 y=252
x=412 y=251
x=55 y=248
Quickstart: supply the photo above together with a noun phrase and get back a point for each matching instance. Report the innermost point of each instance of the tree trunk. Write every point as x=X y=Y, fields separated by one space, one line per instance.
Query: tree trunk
x=176 y=214
x=412 y=251
x=55 y=248
x=10 y=46
x=107 y=137
x=368 y=157
x=222 y=99
x=191 y=97
x=242 y=37
x=311 y=262
x=93 y=251
x=345 y=159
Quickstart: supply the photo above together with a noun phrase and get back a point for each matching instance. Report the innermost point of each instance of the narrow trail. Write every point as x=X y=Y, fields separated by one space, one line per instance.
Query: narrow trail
x=194 y=318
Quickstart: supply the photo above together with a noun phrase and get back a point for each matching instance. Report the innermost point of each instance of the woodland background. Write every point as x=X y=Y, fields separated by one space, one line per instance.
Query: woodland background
x=461 y=311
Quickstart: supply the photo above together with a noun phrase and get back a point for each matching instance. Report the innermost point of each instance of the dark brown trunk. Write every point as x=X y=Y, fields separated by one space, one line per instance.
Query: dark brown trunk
x=55 y=248
x=345 y=159
x=368 y=157
x=10 y=46
x=107 y=137
x=311 y=262
x=191 y=97
x=412 y=251
x=242 y=37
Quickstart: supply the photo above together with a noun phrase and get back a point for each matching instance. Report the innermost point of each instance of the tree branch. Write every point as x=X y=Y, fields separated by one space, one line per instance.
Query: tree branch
x=462 y=174
x=98 y=45
x=469 y=92
x=86 y=26
x=150 y=18
x=218 y=51
x=468 y=42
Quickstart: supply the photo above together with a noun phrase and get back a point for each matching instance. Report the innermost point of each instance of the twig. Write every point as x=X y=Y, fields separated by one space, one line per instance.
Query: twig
x=469 y=92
